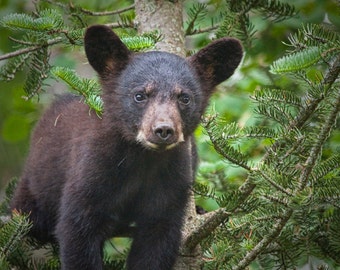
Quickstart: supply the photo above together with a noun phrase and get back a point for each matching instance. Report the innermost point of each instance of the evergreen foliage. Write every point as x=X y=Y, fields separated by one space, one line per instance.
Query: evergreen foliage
x=60 y=24
x=285 y=207
x=89 y=88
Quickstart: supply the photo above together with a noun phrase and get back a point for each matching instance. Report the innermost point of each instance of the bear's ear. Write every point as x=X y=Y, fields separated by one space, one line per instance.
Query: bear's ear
x=104 y=50
x=218 y=61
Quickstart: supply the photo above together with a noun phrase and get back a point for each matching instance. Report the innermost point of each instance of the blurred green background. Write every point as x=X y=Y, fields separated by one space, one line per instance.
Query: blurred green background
x=232 y=100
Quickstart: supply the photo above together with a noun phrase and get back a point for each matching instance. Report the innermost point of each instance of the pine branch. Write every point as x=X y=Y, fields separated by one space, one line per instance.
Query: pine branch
x=297 y=61
x=31 y=49
x=89 y=89
x=303 y=180
x=307 y=112
x=38 y=71
x=313 y=35
x=48 y=20
x=211 y=221
x=316 y=149
x=258 y=249
x=273 y=183
x=12 y=233
x=324 y=168
x=203 y=30
x=106 y=13
x=197 y=12
x=221 y=145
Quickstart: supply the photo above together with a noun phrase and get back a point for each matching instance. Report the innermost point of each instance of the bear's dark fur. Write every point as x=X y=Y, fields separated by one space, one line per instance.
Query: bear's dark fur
x=86 y=179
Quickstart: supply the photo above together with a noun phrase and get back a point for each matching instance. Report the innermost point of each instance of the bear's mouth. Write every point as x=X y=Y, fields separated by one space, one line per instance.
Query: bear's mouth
x=155 y=144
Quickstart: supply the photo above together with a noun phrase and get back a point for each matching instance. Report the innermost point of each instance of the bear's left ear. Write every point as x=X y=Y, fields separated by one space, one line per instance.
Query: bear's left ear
x=104 y=50
x=218 y=61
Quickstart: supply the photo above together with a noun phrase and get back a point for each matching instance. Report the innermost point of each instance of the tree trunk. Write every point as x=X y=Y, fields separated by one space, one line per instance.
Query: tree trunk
x=166 y=16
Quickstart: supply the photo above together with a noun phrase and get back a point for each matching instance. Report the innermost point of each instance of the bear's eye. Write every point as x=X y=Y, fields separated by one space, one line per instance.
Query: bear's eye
x=184 y=99
x=140 y=97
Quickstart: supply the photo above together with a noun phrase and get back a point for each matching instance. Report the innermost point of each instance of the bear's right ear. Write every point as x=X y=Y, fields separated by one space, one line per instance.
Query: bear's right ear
x=104 y=50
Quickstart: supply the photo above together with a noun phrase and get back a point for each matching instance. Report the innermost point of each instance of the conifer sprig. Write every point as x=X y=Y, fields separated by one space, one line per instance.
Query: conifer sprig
x=88 y=88
x=291 y=186
x=12 y=233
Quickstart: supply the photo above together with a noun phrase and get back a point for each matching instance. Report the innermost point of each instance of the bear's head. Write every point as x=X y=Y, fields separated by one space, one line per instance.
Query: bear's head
x=157 y=98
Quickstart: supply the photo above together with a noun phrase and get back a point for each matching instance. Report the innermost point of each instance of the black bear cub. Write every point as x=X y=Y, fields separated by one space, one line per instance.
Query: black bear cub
x=87 y=179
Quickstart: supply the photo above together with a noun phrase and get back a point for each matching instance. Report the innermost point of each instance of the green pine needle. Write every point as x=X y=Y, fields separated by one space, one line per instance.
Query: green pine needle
x=297 y=61
x=49 y=20
x=12 y=233
x=88 y=88
x=138 y=43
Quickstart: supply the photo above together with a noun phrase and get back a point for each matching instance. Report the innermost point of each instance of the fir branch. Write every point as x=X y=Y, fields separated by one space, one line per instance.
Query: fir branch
x=324 y=168
x=274 y=184
x=297 y=61
x=11 y=67
x=38 y=72
x=106 y=13
x=197 y=12
x=276 y=112
x=277 y=95
x=114 y=25
x=48 y=20
x=203 y=30
x=221 y=145
x=321 y=138
x=211 y=221
x=276 y=9
x=331 y=75
x=304 y=114
x=138 y=43
x=267 y=239
x=12 y=233
x=31 y=49
x=313 y=35
x=88 y=88
x=9 y=191
x=271 y=8
x=274 y=199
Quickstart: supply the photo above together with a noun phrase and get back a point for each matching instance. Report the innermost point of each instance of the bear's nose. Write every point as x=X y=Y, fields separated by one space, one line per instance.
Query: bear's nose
x=164 y=131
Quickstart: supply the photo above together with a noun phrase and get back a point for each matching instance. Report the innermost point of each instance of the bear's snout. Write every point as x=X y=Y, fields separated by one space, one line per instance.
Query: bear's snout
x=164 y=131
x=161 y=127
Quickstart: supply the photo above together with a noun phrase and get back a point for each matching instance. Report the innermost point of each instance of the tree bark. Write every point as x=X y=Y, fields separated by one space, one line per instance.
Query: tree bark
x=166 y=16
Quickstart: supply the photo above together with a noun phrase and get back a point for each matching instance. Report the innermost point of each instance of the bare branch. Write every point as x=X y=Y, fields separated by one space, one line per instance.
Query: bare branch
x=202 y=30
x=211 y=222
x=30 y=49
x=316 y=150
x=258 y=249
x=107 y=13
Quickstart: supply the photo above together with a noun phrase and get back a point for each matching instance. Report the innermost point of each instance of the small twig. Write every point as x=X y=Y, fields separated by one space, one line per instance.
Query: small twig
x=274 y=184
x=308 y=167
x=115 y=25
x=30 y=49
x=251 y=255
x=213 y=219
x=211 y=222
x=202 y=30
x=106 y=13
x=316 y=149
x=27 y=43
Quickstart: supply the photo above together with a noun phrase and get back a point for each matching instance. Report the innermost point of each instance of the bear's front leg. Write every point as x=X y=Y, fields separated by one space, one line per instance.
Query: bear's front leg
x=80 y=246
x=156 y=243
x=81 y=231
